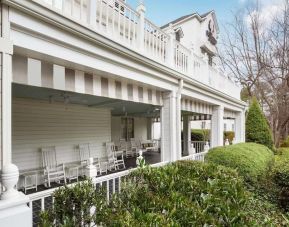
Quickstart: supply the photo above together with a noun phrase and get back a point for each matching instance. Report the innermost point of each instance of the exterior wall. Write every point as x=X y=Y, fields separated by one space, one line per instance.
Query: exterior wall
x=37 y=123
x=140 y=128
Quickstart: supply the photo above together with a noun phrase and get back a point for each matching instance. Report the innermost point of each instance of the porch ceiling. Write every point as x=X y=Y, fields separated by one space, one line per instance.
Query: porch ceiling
x=118 y=107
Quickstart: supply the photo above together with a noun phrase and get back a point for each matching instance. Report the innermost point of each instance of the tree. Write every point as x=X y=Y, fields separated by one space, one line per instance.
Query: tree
x=257 y=128
x=256 y=54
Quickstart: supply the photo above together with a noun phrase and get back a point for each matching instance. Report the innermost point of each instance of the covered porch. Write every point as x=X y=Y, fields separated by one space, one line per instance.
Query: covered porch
x=44 y=117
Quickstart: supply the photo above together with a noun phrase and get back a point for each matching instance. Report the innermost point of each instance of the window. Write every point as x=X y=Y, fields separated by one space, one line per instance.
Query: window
x=210 y=60
x=127 y=128
x=178 y=36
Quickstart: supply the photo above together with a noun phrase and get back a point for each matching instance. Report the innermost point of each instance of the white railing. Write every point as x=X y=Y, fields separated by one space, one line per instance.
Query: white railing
x=41 y=201
x=119 y=22
x=196 y=157
x=155 y=41
x=200 y=156
x=181 y=57
x=198 y=145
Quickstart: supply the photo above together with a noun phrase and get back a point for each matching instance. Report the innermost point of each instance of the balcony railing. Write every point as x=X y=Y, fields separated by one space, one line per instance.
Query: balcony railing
x=119 y=22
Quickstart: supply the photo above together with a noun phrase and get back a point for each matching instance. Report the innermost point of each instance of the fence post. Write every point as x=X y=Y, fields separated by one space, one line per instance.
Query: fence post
x=141 y=9
x=92 y=13
x=170 y=46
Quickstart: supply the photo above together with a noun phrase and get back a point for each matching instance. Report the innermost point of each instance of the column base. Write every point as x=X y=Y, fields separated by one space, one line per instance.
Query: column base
x=15 y=212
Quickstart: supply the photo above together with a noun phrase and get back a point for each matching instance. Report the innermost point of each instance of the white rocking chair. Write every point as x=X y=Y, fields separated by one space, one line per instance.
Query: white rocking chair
x=52 y=170
x=115 y=158
x=84 y=155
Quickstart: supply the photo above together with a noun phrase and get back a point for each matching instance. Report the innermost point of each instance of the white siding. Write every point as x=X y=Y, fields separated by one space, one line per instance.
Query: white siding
x=37 y=123
x=140 y=128
x=115 y=128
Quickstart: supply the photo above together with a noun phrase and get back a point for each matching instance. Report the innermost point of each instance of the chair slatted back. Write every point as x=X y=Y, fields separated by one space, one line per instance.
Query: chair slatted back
x=110 y=148
x=123 y=144
x=84 y=151
x=49 y=157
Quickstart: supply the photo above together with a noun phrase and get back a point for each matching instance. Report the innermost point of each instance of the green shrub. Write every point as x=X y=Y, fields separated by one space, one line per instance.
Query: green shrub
x=285 y=143
x=257 y=128
x=181 y=194
x=185 y=193
x=230 y=135
x=72 y=205
x=281 y=168
x=281 y=176
x=251 y=160
x=200 y=135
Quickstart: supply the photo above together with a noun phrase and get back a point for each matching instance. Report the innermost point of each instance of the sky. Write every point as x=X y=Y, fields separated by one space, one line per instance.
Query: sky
x=161 y=12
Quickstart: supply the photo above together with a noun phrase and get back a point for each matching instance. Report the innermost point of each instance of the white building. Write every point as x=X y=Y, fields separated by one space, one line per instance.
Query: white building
x=93 y=71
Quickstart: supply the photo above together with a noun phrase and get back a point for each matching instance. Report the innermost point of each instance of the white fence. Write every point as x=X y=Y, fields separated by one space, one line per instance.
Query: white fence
x=117 y=21
x=199 y=146
x=43 y=200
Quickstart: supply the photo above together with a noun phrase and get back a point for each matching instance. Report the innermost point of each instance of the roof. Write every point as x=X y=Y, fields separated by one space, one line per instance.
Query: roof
x=185 y=17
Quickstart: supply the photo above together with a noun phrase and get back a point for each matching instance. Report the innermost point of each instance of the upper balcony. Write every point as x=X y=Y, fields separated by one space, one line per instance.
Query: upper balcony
x=117 y=21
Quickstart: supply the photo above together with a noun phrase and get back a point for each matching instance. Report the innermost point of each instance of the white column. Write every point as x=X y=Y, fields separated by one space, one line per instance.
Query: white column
x=13 y=204
x=217 y=134
x=187 y=134
x=170 y=127
x=141 y=9
x=240 y=127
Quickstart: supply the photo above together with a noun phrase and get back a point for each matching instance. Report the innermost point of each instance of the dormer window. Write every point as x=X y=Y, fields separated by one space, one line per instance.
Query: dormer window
x=179 y=34
x=178 y=37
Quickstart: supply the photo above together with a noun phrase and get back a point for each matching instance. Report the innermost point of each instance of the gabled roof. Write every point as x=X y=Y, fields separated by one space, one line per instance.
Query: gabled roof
x=197 y=15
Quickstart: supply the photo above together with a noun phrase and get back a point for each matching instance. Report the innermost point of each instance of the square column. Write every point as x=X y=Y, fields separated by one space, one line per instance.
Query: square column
x=170 y=127
x=240 y=127
x=13 y=204
x=217 y=129
x=186 y=135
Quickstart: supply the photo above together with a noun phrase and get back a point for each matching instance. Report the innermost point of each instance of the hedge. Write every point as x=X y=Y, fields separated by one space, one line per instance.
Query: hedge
x=285 y=143
x=204 y=135
x=281 y=176
x=257 y=127
x=281 y=168
x=200 y=134
x=230 y=135
x=180 y=194
x=250 y=159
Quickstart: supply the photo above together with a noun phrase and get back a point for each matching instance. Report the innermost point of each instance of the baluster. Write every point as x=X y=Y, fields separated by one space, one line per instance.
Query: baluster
x=119 y=184
x=135 y=23
x=107 y=15
x=113 y=18
x=100 y=14
x=81 y=9
x=107 y=190
x=72 y=7
x=31 y=205
x=129 y=25
x=124 y=24
x=42 y=204
x=113 y=185
x=118 y=21
x=91 y=9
